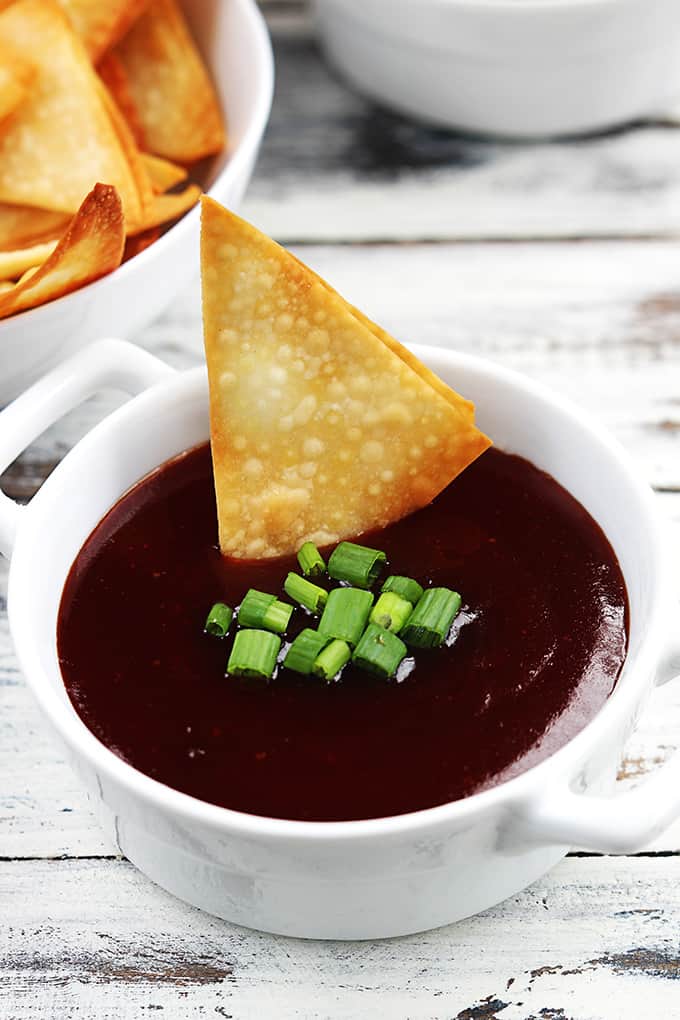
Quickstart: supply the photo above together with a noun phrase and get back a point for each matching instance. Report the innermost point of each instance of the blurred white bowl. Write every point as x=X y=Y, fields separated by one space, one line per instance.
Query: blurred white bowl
x=516 y=68
x=235 y=43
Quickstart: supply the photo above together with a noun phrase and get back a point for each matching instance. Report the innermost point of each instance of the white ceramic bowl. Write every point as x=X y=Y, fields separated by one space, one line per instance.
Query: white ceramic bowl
x=519 y=68
x=235 y=43
x=362 y=879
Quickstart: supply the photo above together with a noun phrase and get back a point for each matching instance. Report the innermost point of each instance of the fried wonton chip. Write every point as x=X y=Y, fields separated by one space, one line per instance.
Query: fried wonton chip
x=91 y=247
x=27 y=274
x=23 y=225
x=101 y=23
x=134 y=158
x=165 y=208
x=171 y=89
x=16 y=76
x=61 y=139
x=14 y=263
x=164 y=174
x=423 y=371
x=140 y=242
x=112 y=73
x=320 y=429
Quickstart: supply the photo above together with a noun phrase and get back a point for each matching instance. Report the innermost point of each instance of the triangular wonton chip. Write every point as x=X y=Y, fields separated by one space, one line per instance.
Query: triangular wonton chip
x=174 y=98
x=423 y=371
x=14 y=263
x=61 y=139
x=101 y=23
x=133 y=156
x=24 y=225
x=16 y=75
x=320 y=428
x=111 y=71
x=140 y=242
x=164 y=174
x=165 y=208
x=91 y=247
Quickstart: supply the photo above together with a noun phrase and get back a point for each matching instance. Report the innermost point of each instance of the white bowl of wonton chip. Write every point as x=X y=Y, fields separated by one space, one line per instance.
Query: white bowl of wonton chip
x=233 y=39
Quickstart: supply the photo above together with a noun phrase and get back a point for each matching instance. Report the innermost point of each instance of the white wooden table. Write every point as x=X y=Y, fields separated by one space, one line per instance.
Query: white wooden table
x=560 y=260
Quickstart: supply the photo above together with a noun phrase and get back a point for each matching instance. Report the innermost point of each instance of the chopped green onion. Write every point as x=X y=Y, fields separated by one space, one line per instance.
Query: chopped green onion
x=310 y=560
x=254 y=654
x=430 y=621
x=278 y=617
x=331 y=660
x=357 y=564
x=304 y=650
x=346 y=614
x=219 y=620
x=391 y=611
x=309 y=595
x=259 y=609
x=404 y=586
x=252 y=610
x=379 y=651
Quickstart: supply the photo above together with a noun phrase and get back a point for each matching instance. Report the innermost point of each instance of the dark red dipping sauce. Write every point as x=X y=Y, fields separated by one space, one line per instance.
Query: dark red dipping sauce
x=539 y=646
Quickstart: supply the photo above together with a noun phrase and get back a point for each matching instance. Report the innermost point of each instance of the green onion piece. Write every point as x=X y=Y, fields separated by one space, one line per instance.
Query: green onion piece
x=430 y=621
x=253 y=608
x=219 y=620
x=254 y=653
x=309 y=595
x=310 y=560
x=278 y=617
x=331 y=660
x=259 y=609
x=391 y=611
x=404 y=586
x=356 y=563
x=304 y=651
x=379 y=651
x=346 y=614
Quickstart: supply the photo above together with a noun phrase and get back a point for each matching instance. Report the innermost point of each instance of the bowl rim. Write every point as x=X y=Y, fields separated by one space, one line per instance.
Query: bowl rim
x=241 y=154
x=620 y=705
x=504 y=5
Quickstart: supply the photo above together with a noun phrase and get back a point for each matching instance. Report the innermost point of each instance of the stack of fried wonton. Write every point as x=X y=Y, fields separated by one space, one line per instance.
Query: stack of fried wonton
x=104 y=109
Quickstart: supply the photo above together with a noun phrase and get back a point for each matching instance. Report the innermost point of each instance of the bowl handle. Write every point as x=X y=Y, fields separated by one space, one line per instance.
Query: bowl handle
x=107 y=364
x=619 y=824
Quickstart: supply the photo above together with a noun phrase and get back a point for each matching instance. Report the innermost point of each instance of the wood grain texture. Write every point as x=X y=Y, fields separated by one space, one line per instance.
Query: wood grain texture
x=98 y=940
x=334 y=166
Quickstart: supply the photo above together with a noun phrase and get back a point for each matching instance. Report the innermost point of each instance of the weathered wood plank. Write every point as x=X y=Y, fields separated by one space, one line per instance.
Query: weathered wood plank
x=86 y=939
x=336 y=167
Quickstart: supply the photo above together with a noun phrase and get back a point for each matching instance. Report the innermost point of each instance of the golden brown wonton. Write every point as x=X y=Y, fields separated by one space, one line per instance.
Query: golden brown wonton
x=91 y=247
x=322 y=426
